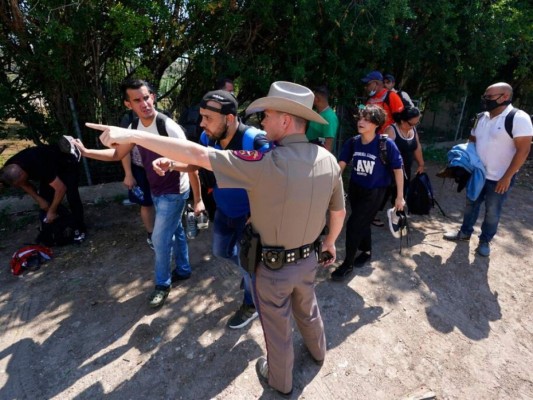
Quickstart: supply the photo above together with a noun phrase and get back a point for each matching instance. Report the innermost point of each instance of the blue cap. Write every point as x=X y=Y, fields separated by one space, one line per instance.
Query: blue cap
x=373 y=76
x=390 y=77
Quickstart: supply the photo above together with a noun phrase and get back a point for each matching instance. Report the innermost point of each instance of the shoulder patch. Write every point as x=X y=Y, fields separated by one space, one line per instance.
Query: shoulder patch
x=248 y=155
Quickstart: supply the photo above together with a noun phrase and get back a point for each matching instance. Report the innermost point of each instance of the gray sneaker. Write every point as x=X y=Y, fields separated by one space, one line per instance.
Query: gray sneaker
x=158 y=296
x=456 y=236
x=244 y=315
x=483 y=249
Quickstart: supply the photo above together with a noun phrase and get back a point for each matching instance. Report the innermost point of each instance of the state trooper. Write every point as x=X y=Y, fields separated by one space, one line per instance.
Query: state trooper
x=291 y=189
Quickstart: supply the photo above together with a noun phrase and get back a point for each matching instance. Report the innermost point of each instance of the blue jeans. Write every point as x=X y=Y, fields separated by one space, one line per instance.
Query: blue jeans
x=169 y=237
x=226 y=236
x=493 y=209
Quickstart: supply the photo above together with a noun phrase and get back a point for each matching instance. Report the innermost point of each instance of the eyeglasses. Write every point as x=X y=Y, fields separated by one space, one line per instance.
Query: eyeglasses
x=490 y=96
x=413 y=125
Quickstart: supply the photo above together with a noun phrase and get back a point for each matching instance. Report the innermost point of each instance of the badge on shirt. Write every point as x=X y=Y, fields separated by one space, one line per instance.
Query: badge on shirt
x=248 y=155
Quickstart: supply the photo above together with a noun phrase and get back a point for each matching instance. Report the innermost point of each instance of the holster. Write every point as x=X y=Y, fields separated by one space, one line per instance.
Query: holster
x=250 y=253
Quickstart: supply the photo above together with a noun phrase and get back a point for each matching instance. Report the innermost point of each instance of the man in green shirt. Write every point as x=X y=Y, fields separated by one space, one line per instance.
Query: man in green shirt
x=318 y=133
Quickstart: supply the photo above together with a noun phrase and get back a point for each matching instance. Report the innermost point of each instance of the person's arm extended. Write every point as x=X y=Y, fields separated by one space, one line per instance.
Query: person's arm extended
x=523 y=146
x=184 y=151
x=336 y=221
x=398 y=178
x=116 y=153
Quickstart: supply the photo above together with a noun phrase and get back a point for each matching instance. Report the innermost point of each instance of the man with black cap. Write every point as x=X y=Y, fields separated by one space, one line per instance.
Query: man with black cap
x=290 y=189
x=382 y=97
x=222 y=130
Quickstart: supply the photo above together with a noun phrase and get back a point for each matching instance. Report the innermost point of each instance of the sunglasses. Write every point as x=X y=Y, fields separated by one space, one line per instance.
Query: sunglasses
x=490 y=96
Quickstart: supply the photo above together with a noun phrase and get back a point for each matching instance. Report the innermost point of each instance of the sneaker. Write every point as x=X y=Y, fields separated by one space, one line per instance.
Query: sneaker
x=79 y=236
x=261 y=367
x=361 y=259
x=191 y=228
x=244 y=315
x=456 y=236
x=397 y=223
x=149 y=241
x=178 y=278
x=202 y=221
x=127 y=202
x=341 y=273
x=158 y=296
x=483 y=249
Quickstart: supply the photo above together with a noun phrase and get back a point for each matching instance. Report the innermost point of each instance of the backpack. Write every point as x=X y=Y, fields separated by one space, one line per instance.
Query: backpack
x=509 y=119
x=29 y=258
x=405 y=102
x=160 y=122
x=60 y=232
x=207 y=178
x=420 y=198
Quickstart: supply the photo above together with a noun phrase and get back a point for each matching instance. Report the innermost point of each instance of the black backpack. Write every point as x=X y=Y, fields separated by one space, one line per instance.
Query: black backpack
x=58 y=233
x=509 y=120
x=160 y=121
x=420 y=198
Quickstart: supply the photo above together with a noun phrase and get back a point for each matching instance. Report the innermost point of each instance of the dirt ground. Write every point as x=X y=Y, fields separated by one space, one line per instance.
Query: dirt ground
x=437 y=318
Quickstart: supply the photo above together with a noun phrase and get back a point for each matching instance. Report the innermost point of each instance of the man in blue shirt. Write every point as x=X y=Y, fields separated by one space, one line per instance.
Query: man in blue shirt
x=223 y=130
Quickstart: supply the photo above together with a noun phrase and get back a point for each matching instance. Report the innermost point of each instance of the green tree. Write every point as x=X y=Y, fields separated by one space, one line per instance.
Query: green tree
x=52 y=52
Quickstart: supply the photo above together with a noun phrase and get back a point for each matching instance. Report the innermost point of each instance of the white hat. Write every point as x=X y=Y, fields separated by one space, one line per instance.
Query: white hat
x=290 y=98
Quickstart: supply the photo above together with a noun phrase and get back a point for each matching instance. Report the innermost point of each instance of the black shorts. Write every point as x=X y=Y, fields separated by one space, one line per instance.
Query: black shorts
x=140 y=176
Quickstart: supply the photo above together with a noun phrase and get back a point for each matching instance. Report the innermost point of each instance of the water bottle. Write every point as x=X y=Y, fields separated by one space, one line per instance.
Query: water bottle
x=202 y=221
x=192 y=229
x=137 y=191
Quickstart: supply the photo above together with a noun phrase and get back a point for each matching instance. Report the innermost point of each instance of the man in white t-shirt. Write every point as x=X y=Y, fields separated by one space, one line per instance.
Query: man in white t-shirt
x=169 y=192
x=502 y=154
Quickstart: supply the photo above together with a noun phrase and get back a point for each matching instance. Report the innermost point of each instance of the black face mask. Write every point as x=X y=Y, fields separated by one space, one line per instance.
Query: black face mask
x=489 y=105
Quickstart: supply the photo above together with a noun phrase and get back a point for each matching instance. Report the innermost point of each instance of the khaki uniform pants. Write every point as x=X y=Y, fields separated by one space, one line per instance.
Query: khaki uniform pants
x=277 y=294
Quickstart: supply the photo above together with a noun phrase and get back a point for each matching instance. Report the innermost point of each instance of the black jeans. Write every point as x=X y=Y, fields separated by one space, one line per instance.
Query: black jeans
x=364 y=204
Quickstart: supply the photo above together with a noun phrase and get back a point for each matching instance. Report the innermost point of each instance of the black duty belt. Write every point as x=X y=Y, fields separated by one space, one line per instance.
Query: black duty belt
x=275 y=257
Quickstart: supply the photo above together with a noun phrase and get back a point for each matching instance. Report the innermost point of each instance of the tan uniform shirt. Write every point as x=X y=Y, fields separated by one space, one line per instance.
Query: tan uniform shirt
x=290 y=188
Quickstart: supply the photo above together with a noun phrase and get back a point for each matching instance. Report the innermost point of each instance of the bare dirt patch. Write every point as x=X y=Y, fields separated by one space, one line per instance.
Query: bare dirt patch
x=437 y=315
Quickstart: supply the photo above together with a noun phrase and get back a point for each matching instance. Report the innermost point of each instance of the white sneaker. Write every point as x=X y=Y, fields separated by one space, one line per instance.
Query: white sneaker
x=397 y=223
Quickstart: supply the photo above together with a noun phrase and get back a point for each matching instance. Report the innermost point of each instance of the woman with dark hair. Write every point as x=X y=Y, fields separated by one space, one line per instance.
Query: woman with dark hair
x=370 y=178
x=404 y=134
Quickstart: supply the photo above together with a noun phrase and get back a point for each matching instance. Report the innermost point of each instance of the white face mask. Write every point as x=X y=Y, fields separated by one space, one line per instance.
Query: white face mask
x=372 y=92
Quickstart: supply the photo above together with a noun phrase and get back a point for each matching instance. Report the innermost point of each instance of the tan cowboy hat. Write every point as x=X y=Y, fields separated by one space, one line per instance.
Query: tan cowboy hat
x=290 y=98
